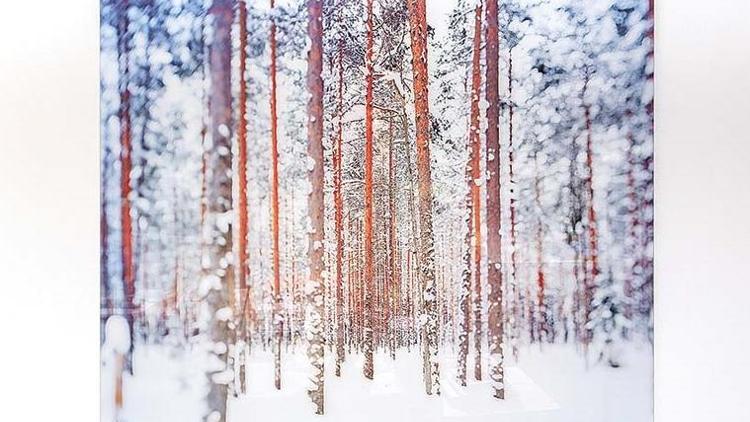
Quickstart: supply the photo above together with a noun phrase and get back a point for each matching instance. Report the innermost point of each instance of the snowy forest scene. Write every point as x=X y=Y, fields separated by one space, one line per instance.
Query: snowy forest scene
x=376 y=210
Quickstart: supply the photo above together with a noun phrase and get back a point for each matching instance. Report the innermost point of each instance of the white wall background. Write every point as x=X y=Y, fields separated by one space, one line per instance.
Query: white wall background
x=49 y=206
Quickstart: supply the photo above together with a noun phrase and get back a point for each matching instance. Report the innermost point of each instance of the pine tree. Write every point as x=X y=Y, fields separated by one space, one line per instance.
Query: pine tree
x=339 y=211
x=242 y=208
x=219 y=279
x=472 y=218
x=126 y=224
x=418 y=25
x=315 y=316
x=369 y=271
x=476 y=180
x=494 y=256
x=278 y=318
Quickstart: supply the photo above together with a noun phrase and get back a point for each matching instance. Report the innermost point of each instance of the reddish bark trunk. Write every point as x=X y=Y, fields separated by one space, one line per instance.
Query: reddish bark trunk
x=476 y=204
x=316 y=292
x=472 y=230
x=219 y=188
x=244 y=270
x=418 y=26
x=494 y=255
x=278 y=322
x=126 y=150
x=369 y=269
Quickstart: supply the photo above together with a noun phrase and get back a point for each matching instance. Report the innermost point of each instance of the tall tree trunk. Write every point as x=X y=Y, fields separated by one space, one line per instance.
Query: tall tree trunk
x=174 y=305
x=315 y=315
x=515 y=298
x=392 y=236
x=412 y=257
x=417 y=288
x=494 y=255
x=349 y=329
x=369 y=270
x=298 y=311
x=126 y=150
x=219 y=204
x=592 y=233
x=244 y=270
x=204 y=131
x=339 y=214
x=418 y=25
x=359 y=283
x=278 y=321
x=543 y=329
x=105 y=300
x=351 y=283
x=647 y=252
x=142 y=110
x=476 y=180
x=286 y=247
x=634 y=224
x=473 y=234
x=464 y=304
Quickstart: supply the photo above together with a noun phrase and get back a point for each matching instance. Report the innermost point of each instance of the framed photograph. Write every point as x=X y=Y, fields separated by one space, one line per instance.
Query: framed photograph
x=377 y=210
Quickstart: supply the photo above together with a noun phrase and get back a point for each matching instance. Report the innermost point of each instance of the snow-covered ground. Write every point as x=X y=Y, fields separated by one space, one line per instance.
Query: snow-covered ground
x=552 y=383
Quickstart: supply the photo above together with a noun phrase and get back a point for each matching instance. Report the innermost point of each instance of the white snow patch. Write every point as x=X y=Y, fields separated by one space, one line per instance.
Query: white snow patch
x=117 y=334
